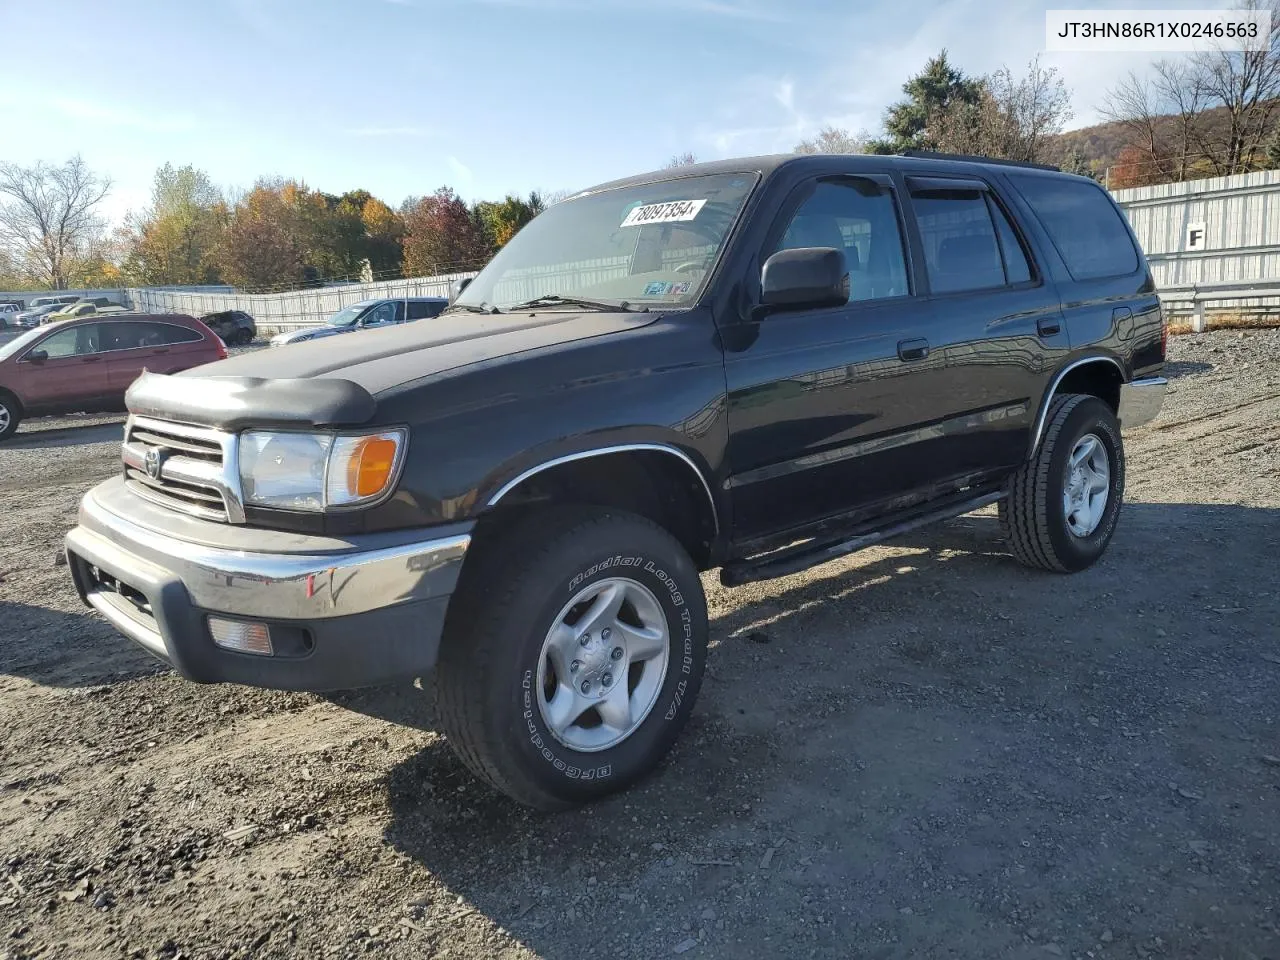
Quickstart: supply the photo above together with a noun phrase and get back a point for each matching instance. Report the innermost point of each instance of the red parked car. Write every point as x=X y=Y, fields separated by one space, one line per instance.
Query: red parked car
x=87 y=364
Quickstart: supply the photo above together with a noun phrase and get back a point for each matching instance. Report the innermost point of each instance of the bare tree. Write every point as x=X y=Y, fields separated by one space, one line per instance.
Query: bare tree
x=1136 y=105
x=1246 y=83
x=48 y=215
x=1012 y=118
x=685 y=159
x=834 y=140
x=1182 y=92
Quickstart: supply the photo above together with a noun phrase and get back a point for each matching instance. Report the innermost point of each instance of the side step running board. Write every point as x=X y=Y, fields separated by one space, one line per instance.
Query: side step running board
x=807 y=555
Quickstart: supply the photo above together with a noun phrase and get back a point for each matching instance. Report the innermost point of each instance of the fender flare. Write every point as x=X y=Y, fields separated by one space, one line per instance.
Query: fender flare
x=1037 y=431
x=605 y=451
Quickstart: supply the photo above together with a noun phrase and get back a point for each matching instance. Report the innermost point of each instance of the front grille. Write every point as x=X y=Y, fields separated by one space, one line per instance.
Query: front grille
x=191 y=469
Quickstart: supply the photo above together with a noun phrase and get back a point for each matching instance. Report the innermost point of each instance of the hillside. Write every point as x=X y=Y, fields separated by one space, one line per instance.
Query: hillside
x=1101 y=144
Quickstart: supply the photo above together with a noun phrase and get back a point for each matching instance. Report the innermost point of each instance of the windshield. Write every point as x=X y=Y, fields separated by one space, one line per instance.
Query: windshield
x=347 y=315
x=19 y=344
x=649 y=244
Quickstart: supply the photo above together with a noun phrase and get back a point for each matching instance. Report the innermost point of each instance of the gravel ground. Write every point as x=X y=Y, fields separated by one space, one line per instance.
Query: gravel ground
x=920 y=751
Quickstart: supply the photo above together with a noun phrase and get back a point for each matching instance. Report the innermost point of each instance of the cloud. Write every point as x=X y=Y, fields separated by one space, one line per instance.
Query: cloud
x=90 y=112
x=461 y=171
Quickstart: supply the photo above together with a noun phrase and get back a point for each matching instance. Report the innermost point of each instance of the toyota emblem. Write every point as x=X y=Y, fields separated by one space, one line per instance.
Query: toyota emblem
x=153 y=462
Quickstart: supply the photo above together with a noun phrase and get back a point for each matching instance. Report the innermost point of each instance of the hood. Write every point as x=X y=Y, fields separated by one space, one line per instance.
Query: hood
x=383 y=358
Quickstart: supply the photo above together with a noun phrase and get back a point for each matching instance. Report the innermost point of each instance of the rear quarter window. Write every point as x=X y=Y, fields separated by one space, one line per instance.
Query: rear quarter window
x=1084 y=225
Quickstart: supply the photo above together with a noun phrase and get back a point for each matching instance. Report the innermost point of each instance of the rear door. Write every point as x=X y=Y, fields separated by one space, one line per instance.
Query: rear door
x=71 y=374
x=995 y=321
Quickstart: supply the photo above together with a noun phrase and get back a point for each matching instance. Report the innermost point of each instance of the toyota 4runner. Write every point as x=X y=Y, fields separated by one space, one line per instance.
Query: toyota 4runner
x=752 y=365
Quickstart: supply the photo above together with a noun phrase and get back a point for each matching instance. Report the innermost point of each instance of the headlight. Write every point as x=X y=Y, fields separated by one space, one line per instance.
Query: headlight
x=318 y=471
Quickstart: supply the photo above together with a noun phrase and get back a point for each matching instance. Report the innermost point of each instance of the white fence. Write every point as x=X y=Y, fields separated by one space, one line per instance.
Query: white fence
x=295 y=308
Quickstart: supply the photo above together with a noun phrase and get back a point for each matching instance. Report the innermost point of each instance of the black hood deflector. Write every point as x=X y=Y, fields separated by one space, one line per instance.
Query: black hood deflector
x=232 y=403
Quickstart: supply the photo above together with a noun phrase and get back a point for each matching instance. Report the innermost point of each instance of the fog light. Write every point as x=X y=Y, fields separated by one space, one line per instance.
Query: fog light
x=241 y=637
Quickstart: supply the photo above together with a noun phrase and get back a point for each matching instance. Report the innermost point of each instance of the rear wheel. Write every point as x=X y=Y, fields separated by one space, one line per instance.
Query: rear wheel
x=10 y=415
x=572 y=655
x=1064 y=503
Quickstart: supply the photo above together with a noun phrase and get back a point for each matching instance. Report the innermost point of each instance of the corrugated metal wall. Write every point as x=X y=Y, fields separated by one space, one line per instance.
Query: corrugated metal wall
x=1241 y=217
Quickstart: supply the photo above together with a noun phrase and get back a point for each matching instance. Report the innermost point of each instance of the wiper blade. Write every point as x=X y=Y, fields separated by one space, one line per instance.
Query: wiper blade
x=554 y=299
x=481 y=307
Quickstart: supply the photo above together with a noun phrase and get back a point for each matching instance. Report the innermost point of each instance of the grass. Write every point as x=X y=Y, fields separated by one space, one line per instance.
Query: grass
x=1224 y=320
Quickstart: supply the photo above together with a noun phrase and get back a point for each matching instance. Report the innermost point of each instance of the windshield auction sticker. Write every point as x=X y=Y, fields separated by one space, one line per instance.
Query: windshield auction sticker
x=672 y=211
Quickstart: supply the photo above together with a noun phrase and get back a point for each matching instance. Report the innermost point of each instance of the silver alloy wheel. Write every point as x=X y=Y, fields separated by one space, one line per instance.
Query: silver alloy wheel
x=4 y=418
x=602 y=664
x=1087 y=486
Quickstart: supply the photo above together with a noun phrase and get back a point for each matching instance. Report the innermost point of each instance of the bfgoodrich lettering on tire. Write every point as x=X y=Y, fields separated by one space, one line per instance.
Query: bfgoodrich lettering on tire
x=1064 y=502
x=572 y=655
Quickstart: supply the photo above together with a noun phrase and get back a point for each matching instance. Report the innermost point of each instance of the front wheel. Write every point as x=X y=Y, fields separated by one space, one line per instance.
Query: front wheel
x=10 y=415
x=572 y=656
x=1064 y=502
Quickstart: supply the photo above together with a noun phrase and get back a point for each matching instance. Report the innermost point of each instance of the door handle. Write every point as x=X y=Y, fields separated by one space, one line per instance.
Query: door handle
x=1048 y=326
x=90 y=359
x=913 y=349
x=160 y=352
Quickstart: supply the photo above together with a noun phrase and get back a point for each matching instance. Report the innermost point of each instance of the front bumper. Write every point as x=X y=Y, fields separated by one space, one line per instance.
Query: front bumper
x=1140 y=401
x=362 y=614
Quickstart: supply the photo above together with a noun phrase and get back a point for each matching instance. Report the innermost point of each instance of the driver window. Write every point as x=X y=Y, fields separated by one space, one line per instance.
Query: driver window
x=75 y=342
x=859 y=218
x=382 y=313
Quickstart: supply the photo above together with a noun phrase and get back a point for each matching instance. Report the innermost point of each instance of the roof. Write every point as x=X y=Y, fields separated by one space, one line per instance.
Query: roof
x=766 y=165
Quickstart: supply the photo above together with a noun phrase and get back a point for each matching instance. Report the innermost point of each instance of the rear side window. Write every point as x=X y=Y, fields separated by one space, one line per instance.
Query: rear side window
x=961 y=251
x=1084 y=225
x=421 y=309
x=129 y=335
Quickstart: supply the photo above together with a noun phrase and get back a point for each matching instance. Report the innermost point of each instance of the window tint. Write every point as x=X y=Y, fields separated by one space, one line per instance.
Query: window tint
x=960 y=247
x=73 y=342
x=419 y=309
x=1016 y=266
x=859 y=218
x=130 y=335
x=1087 y=229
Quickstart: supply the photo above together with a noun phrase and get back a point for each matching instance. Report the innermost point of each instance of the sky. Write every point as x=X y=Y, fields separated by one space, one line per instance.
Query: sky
x=400 y=97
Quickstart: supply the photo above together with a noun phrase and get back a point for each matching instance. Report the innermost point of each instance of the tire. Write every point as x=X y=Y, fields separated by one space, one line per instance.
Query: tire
x=1042 y=531
x=244 y=337
x=496 y=681
x=10 y=415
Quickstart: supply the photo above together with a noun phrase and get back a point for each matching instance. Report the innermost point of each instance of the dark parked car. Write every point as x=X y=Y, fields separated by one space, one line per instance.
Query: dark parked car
x=86 y=365
x=756 y=365
x=366 y=315
x=233 y=326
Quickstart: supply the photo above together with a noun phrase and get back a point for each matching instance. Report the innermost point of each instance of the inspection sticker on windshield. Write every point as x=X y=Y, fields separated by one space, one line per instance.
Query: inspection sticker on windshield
x=669 y=212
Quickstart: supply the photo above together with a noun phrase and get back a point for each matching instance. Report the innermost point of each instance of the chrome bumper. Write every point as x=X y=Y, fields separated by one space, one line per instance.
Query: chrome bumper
x=1140 y=401
x=357 y=616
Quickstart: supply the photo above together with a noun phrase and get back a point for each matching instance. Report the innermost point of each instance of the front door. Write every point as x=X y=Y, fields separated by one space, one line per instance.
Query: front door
x=65 y=370
x=825 y=405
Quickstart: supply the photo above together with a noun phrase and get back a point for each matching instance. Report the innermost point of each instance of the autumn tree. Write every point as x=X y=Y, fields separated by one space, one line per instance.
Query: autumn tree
x=174 y=240
x=685 y=159
x=49 y=217
x=499 y=221
x=440 y=234
x=832 y=139
x=258 y=249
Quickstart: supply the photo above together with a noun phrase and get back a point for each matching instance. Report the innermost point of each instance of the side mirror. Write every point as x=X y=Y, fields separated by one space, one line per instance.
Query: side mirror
x=456 y=288
x=807 y=277
x=38 y=356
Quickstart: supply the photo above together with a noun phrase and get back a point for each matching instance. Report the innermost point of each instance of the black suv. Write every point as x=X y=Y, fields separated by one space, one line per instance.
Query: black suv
x=233 y=326
x=753 y=365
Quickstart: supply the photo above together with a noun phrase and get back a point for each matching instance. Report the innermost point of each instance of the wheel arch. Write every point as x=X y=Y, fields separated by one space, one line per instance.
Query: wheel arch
x=654 y=479
x=1100 y=375
x=19 y=407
